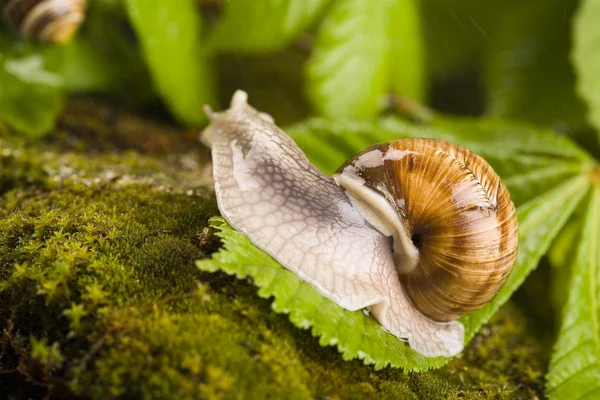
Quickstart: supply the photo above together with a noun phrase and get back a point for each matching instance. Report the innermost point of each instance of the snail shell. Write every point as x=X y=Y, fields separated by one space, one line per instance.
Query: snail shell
x=451 y=222
x=54 y=21
x=454 y=226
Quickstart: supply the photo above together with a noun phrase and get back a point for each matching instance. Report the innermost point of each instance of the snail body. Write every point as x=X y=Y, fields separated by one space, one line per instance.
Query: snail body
x=417 y=231
x=50 y=21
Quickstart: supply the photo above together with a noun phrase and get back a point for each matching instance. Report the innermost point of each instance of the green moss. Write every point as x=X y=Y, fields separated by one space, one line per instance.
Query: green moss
x=100 y=298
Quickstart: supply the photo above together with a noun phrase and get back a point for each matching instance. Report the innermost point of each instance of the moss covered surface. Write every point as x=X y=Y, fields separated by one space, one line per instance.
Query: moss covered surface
x=100 y=298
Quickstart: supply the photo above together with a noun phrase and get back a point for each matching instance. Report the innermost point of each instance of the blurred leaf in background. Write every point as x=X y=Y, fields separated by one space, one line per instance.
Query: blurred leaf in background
x=362 y=50
x=514 y=54
x=262 y=26
x=453 y=33
x=527 y=70
x=170 y=37
x=31 y=85
x=586 y=58
x=104 y=58
x=455 y=45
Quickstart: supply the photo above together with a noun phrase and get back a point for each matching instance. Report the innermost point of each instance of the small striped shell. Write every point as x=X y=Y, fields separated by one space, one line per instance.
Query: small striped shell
x=453 y=208
x=54 y=21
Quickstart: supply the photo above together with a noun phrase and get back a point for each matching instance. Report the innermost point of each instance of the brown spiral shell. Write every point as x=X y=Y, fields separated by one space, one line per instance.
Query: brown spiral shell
x=53 y=21
x=457 y=213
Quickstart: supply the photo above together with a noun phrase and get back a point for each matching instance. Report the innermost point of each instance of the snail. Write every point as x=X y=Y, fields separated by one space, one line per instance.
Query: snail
x=417 y=231
x=51 y=21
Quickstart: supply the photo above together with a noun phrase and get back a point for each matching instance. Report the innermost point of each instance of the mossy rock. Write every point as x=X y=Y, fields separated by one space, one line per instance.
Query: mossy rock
x=100 y=298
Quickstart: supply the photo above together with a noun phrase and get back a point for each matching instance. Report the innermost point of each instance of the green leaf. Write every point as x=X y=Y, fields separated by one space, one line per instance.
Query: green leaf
x=263 y=26
x=169 y=32
x=355 y=334
x=529 y=160
x=86 y=70
x=575 y=365
x=407 y=71
x=586 y=57
x=526 y=66
x=362 y=50
x=560 y=258
x=31 y=86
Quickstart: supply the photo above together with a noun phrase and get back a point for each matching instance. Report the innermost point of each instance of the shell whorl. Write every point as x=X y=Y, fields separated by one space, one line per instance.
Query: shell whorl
x=456 y=212
x=55 y=21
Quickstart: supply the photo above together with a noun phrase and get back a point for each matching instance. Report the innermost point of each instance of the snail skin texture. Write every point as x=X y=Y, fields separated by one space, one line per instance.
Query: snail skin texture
x=417 y=231
x=53 y=21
